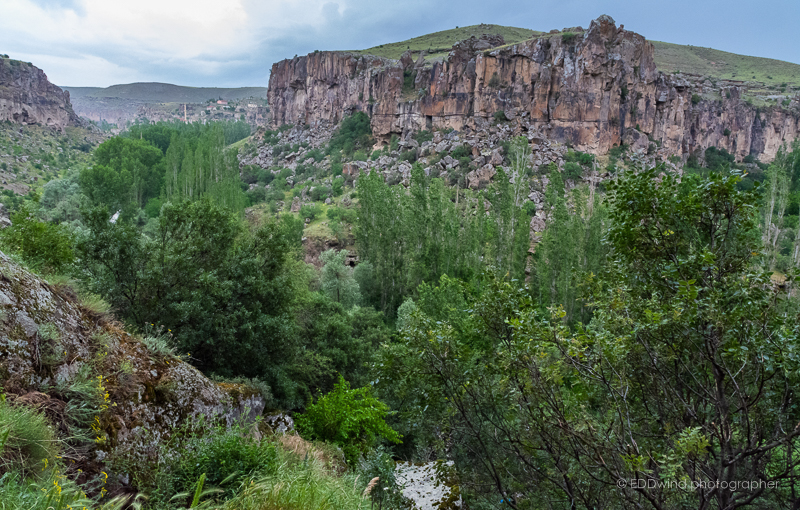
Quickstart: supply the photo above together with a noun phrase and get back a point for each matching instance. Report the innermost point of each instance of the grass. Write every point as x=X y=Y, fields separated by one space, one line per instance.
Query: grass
x=27 y=443
x=439 y=43
x=723 y=65
x=302 y=484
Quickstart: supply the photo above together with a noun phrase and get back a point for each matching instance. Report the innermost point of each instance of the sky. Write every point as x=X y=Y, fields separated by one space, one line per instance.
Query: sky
x=233 y=43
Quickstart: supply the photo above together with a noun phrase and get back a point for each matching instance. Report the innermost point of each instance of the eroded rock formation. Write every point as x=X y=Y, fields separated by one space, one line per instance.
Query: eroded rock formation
x=28 y=97
x=594 y=88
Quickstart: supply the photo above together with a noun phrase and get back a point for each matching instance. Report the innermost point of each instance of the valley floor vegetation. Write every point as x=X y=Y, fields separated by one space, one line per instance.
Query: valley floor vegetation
x=651 y=333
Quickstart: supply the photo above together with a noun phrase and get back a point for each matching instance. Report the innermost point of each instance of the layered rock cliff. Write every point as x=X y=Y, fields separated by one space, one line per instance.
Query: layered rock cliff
x=592 y=88
x=28 y=97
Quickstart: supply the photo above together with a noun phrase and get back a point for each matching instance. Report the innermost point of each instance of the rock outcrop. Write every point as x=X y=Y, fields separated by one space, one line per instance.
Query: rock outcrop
x=28 y=97
x=49 y=342
x=590 y=88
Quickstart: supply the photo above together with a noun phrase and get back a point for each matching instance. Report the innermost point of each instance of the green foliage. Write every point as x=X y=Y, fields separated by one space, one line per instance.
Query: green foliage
x=409 y=76
x=310 y=211
x=494 y=82
x=500 y=116
x=351 y=418
x=462 y=151
x=27 y=443
x=696 y=98
x=727 y=132
x=336 y=278
x=224 y=454
x=43 y=246
x=197 y=164
x=423 y=136
x=409 y=155
x=718 y=159
x=618 y=151
x=202 y=269
x=301 y=484
x=567 y=38
x=137 y=165
x=572 y=171
x=354 y=134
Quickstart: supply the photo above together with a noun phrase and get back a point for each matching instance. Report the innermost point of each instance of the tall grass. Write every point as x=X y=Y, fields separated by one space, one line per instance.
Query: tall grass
x=301 y=484
x=27 y=443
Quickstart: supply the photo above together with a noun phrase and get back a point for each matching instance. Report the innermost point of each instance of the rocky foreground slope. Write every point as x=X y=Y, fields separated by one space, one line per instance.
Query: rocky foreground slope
x=54 y=349
x=28 y=97
x=593 y=88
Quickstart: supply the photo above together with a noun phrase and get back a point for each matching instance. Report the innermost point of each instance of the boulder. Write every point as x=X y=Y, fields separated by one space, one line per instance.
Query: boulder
x=480 y=176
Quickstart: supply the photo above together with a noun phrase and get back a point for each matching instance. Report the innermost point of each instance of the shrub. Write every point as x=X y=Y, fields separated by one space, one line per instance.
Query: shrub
x=408 y=80
x=423 y=136
x=727 y=132
x=618 y=151
x=43 y=246
x=409 y=155
x=500 y=116
x=257 y=195
x=462 y=151
x=352 y=419
x=310 y=211
x=225 y=452
x=572 y=170
x=696 y=98
x=494 y=81
x=568 y=38
x=354 y=133
x=337 y=187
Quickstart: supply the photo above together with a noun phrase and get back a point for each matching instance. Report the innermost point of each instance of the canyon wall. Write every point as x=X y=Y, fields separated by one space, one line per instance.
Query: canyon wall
x=28 y=97
x=593 y=88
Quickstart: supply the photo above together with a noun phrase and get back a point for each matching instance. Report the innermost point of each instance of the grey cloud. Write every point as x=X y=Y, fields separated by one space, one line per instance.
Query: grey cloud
x=736 y=26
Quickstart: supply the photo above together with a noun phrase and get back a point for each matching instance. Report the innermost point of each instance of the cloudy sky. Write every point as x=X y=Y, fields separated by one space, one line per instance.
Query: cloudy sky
x=229 y=43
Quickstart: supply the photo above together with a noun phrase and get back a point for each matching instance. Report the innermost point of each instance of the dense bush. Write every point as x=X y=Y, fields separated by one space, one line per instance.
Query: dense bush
x=572 y=170
x=42 y=245
x=223 y=454
x=310 y=211
x=350 y=418
x=354 y=133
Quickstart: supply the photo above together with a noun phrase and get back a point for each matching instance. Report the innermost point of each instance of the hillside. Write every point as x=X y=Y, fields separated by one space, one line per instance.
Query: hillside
x=119 y=105
x=723 y=65
x=441 y=42
x=166 y=92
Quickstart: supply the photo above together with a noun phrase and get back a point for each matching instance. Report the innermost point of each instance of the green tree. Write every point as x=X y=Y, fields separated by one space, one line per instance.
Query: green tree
x=685 y=372
x=225 y=293
x=336 y=279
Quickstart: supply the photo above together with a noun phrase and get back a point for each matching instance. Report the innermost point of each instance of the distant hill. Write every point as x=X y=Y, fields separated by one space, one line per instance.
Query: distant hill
x=669 y=57
x=441 y=42
x=165 y=92
x=723 y=65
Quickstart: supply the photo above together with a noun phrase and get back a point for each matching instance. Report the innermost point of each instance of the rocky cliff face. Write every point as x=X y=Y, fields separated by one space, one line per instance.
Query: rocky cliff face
x=592 y=88
x=28 y=97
